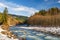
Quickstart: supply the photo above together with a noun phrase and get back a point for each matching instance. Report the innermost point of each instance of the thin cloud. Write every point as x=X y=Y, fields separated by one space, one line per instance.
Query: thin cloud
x=45 y=0
x=18 y=8
x=27 y=9
x=3 y=5
x=59 y=1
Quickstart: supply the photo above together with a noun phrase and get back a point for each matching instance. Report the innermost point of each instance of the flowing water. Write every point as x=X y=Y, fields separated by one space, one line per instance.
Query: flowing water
x=32 y=34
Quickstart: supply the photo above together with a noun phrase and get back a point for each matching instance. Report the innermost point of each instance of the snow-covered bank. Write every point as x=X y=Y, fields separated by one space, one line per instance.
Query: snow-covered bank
x=4 y=37
x=53 y=30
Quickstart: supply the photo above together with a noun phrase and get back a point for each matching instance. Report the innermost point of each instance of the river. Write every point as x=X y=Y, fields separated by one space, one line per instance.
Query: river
x=32 y=34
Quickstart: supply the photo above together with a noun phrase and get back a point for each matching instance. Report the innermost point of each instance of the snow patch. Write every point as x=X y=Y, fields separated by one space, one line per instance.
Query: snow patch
x=4 y=37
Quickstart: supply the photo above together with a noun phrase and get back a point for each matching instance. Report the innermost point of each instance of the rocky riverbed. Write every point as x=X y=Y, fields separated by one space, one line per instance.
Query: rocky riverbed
x=32 y=33
x=51 y=30
x=7 y=35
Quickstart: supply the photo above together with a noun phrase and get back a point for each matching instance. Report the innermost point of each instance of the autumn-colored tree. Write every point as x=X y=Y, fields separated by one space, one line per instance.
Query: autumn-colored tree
x=51 y=19
x=53 y=11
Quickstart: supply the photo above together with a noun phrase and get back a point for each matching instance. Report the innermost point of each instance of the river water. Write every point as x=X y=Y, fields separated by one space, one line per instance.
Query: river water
x=32 y=34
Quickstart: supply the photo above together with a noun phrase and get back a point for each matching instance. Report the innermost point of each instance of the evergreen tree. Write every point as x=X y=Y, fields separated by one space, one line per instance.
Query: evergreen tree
x=42 y=12
x=5 y=15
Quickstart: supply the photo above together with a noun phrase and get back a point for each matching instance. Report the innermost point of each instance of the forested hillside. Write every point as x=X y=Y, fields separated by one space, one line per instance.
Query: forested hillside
x=11 y=18
x=50 y=17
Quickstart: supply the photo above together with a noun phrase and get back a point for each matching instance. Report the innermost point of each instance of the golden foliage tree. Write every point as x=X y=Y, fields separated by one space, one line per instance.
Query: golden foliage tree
x=51 y=19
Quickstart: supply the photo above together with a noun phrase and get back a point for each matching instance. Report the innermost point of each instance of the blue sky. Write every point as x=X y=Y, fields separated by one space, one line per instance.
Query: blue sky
x=27 y=7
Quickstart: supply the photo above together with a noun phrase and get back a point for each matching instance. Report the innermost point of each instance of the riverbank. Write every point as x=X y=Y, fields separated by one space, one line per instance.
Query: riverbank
x=50 y=30
x=6 y=35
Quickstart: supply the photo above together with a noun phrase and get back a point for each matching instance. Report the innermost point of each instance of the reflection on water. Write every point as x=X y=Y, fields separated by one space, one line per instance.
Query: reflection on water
x=31 y=34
